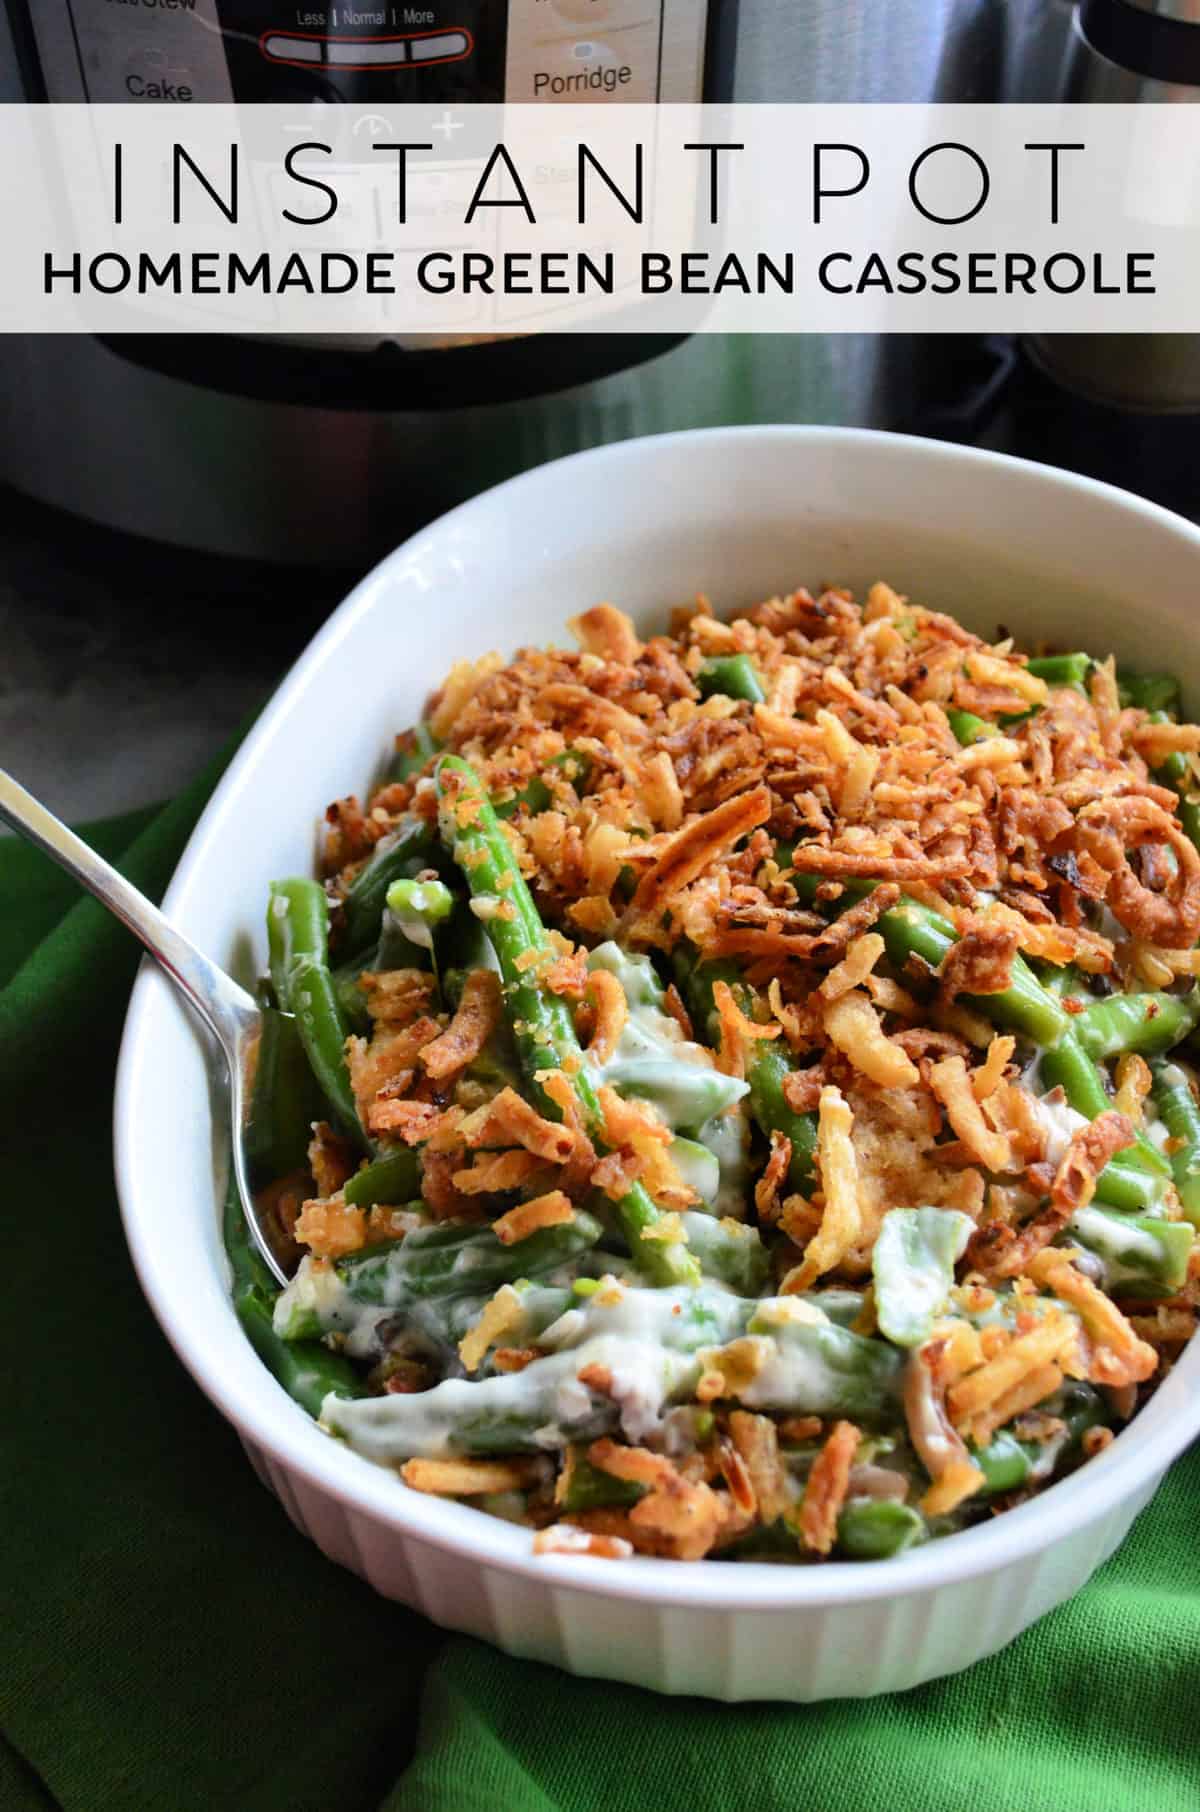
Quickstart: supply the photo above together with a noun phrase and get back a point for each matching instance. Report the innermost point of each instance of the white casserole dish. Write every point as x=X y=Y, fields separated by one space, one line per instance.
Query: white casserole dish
x=740 y=514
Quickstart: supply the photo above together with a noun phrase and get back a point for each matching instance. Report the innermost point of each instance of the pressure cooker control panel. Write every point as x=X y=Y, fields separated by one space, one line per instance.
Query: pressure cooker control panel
x=371 y=50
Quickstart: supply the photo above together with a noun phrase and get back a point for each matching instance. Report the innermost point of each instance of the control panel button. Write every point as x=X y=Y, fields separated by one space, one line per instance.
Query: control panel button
x=282 y=49
x=365 y=53
x=442 y=47
x=606 y=50
x=373 y=53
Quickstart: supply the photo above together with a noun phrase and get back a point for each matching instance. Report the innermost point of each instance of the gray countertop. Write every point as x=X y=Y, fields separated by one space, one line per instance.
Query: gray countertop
x=125 y=666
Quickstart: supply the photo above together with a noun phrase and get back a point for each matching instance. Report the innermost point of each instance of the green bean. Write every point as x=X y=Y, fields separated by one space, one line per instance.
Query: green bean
x=285 y=1103
x=968 y=728
x=1068 y=1067
x=909 y=929
x=877 y=1528
x=297 y=934
x=351 y=998
x=814 y=1368
x=420 y=744
x=439 y=1323
x=912 y=930
x=1065 y=1066
x=392 y=951
x=767 y=1067
x=429 y=901
x=403 y=852
x=774 y=1541
x=1129 y=1190
x=1062 y=980
x=1151 y=1023
x=1172 y=1095
x=682 y=1318
x=733 y=676
x=418 y=908
x=1061 y=669
x=431 y=1328
x=912 y=1263
x=536 y=795
x=442 y=1260
x=1176 y=774
x=688 y=1094
x=307 y=1370
x=462 y=947
x=1008 y=1463
x=657 y=1332
x=392 y=1179
x=1188 y=814
x=1005 y=1462
x=1187 y=809
x=448 y=1259
x=649 y=1062
x=1149 y=691
x=1142 y=1255
x=728 y=1250
x=541 y=1021
x=506 y=1413
x=700 y=1169
x=1120 y=1184
x=586 y=1487
x=842 y=1306
x=818 y=1368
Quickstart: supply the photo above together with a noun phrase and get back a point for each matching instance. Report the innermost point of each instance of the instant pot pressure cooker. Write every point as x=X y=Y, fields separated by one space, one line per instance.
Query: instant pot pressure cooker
x=330 y=450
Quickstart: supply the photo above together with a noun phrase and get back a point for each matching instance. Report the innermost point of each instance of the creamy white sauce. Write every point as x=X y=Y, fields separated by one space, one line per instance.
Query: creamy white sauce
x=681 y=1318
x=316 y=1290
x=545 y=1405
x=788 y=1374
x=653 y=1060
x=699 y=1168
x=1124 y=1252
x=414 y=928
x=912 y=1264
x=787 y=1311
x=1058 y=1123
x=727 y=1136
x=645 y=1340
x=363 y=1342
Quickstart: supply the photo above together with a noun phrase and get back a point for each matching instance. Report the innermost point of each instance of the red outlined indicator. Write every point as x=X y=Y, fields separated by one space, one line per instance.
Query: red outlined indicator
x=412 y=50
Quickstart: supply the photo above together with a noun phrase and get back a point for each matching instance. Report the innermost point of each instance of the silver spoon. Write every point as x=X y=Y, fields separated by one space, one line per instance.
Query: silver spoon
x=227 y=1010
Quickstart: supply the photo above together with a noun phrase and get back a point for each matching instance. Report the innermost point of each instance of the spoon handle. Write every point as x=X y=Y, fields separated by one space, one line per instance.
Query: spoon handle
x=224 y=1006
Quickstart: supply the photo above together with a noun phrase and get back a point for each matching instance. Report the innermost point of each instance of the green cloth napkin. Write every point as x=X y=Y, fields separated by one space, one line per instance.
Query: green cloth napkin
x=168 y=1641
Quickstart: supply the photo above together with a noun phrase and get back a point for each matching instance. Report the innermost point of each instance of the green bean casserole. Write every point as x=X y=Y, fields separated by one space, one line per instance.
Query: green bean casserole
x=729 y=1094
